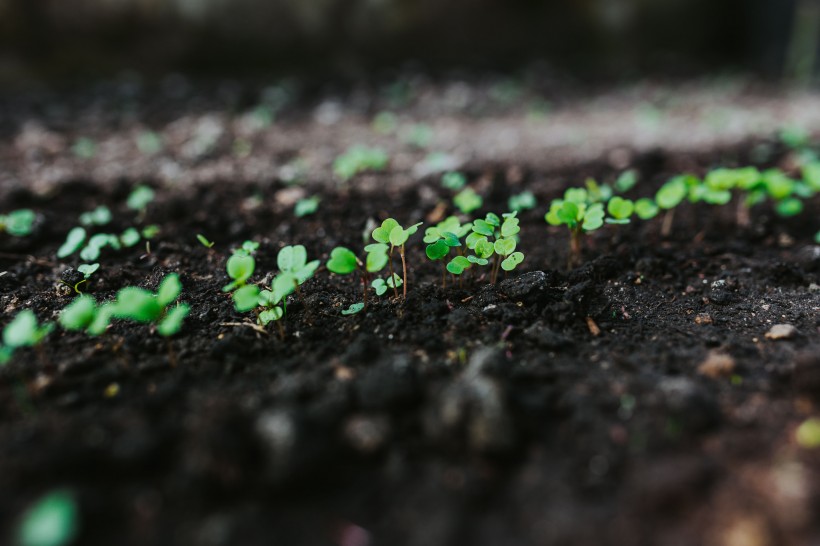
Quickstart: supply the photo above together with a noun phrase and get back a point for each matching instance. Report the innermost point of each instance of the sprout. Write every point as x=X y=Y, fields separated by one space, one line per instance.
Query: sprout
x=671 y=194
x=359 y=159
x=100 y=216
x=381 y=285
x=88 y=269
x=73 y=242
x=392 y=232
x=140 y=305
x=453 y=180
x=385 y=123
x=419 y=135
x=646 y=208
x=140 y=198
x=22 y=331
x=84 y=314
x=51 y=521
x=490 y=237
x=626 y=181
x=522 y=201
x=204 y=241
x=620 y=209
x=468 y=201
x=130 y=237
x=294 y=270
x=353 y=309
x=343 y=262
x=149 y=142
x=306 y=207
x=84 y=148
x=18 y=222
x=240 y=267
x=443 y=237
x=580 y=216
x=150 y=231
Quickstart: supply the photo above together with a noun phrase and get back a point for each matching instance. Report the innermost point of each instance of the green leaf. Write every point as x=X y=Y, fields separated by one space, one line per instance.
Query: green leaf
x=172 y=323
x=140 y=197
x=450 y=239
x=672 y=193
x=22 y=331
x=458 y=264
x=484 y=248
x=306 y=207
x=342 y=261
x=240 y=268
x=620 y=208
x=380 y=286
x=102 y=319
x=473 y=238
x=100 y=216
x=204 y=241
x=504 y=247
x=431 y=235
x=477 y=260
x=88 y=269
x=307 y=271
x=169 y=290
x=492 y=219
x=467 y=200
x=269 y=315
x=284 y=284
x=19 y=222
x=399 y=236
x=453 y=181
x=73 y=241
x=376 y=260
x=79 y=313
x=394 y=281
x=353 y=309
x=626 y=181
x=137 y=304
x=246 y=298
x=646 y=208
x=510 y=227
x=512 y=261
x=292 y=258
x=522 y=201
x=568 y=213
x=483 y=228
x=578 y=196
x=51 y=521
x=382 y=233
x=593 y=217
x=790 y=206
x=130 y=237
x=437 y=250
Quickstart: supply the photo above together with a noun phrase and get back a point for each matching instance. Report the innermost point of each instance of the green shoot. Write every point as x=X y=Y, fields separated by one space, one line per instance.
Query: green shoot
x=626 y=181
x=140 y=305
x=385 y=123
x=381 y=285
x=521 y=202
x=18 y=222
x=84 y=148
x=84 y=314
x=493 y=238
x=74 y=278
x=53 y=520
x=359 y=159
x=204 y=241
x=353 y=309
x=620 y=210
x=646 y=208
x=579 y=215
x=22 y=331
x=442 y=238
x=130 y=237
x=393 y=233
x=453 y=180
x=468 y=201
x=418 y=135
x=306 y=207
x=139 y=199
x=149 y=143
x=100 y=216
x=240 y=267
x=344 y=261
x=74 y=240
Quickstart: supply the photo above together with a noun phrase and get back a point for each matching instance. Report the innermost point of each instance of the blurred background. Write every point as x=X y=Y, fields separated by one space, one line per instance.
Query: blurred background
x=589 y=38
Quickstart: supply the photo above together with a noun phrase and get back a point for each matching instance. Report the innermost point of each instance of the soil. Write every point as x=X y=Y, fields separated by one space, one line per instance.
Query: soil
x=633 y=400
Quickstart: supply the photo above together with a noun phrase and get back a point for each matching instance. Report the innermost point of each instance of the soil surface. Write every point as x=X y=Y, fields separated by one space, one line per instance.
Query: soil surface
x=633 y=400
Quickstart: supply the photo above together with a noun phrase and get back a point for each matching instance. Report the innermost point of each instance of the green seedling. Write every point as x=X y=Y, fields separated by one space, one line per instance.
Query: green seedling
x=418 y=135
x=353 y=309
x=294 y=271
x=344 y=261
x=53 y=520
x=620 y=210
x=672 y=194
x=440 y=239
x=381 y=285
x=139 y=199
x=358 y=159
x=492 y=237
x=149 y=143
x=140 y=305
x=468 y=201
x=84 y=148
x=453 y=181
x=130 y=237
x=204 y=241
x=76 y=278
x=597 y=193
x=579 y=215
x=240 y=267
x=306 y=207
x=521 y=202
x=385 y=123
x=100 y=216
x=794 y=137
x=84 y=314
x=248 y=248
x=74 y=240
x=817 y=238
x=391 y=232
x=22 y=331
x=150 y=231
x=646 y=208
x=626 y=181
x=19 y=223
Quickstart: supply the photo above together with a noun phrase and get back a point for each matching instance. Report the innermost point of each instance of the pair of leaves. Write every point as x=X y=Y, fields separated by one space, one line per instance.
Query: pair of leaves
x=381 y=285
x=18 y=222
x=511 y=262
x=292 y=260
x=240 y=267
x=24 y=331
x=393 y=233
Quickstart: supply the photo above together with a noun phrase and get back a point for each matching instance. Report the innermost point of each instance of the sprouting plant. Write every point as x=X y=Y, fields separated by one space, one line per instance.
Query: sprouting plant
x=139 y=199
x=74 y=278
x=149 y=142
x=670 y=195
x=522 y=201
x=359 y=159
x=646 y=208
x=307 y=206
x=248 y=248
x=467 y=201
x=620 y=210
x=786 y=192
x=381 y=285
x=294 y=270
x=53 y=520
x=353 y=309
x=85 y=314
x=74 y=240
x=84 y=148
x=391 y=232
x=344 y=261
x=22 y=331
x=626 y=181
x=130 y=237
x=419 y=135
x=18 y=222
x=100 y=216
x=453 y=180
x=443 y=237
x=794 y=137
x=492 y=237
x=140 y=305
x=204 y=241
x=817 y=238
x=385 y=122
x=240 y=267
x=579 y=215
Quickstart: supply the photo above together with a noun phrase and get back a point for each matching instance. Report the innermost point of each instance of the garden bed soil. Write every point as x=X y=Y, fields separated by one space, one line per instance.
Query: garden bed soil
x=633 y=400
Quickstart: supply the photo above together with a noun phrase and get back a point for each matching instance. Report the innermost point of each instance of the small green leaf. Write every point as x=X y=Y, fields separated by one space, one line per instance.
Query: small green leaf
x=51 y=521
x=73 y=241
x=504 y=247
x=169 y=290
x=240 y=268
x=307 y=271
x=484 y=248
x=483 y=228
x=453 y=181
x=468 y=201
x=100 y=216
x=380 y=286
x=646 y=208
x=620 y=208
x=399 y=236
x=522 y=201
x=510 y=227
x=172 y=323
x=306 y=207
x=626 y=181
x=246 y=298
x=382 y=233
x=23 y=330
x=79 y=313
x=19 y=222
x=458 y=264
x=512 y=261
x=137 y=304
x=292 y=258
x=376 y=260
x=204 y=241
x=269 y=315
x=593 y=217
x=437 y=250
x=790 y=206
x=671 y=193
x=102 y=319
x=130 y=237
x=477 y=260
x=284 y=284
x=139 y=198
x=569 y=213
x=88 y=269
x=353 y=309
x=342 y=261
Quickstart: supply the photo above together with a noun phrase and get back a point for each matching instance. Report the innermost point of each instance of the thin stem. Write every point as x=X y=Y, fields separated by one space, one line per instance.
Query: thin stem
x=404 y=271
x=281 y=330
x=574 y=247
x=668 y=218
x=364 y=287
x=390 y=263
x=172 y=356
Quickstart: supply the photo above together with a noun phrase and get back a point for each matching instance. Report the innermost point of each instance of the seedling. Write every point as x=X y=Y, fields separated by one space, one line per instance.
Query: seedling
x=84 y=148
x=22 y=331
x=149 y=143
x=74 y=278
x=442 y=238
x=140 y=305
x=646 y=208
x=240 y=267
x=385 y=123
x=580 y=217
x=139 y=199
x=359 y=159
x=468 y=201
x=344 y=261
x=522 y=201
x=353 y=309
x=670 y=195
x=620 y=210
x=19 y=223
x=453 y=180
x=84 y=314
x=51 y=521
x=493 y=238
x=248 y=248
x=294 y=270
x=74 y=240
x=100 y=216
x=204 y=241
x=381 y=285
x=393 y=233
x=626 y=181
x=306 y=207
x=418 y=135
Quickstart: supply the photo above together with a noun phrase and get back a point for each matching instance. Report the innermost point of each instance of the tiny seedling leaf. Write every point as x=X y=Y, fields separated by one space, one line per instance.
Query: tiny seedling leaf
x=169 y=290
x=72 y=243
x=353 y=309
x=342 y=261
x=246 y=298
x=172 y=323
x=50 y=521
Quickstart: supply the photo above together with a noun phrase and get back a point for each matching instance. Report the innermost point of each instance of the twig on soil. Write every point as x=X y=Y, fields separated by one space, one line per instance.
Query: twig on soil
x=594 y=329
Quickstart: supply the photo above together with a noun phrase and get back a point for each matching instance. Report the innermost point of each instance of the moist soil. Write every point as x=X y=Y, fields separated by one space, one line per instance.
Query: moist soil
x=633 y=400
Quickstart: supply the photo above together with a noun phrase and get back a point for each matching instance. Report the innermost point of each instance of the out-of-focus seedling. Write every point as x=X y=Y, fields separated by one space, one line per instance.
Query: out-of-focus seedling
x=240 y=267
x=306 y=207
x=391 y=232
x=453 y=180
x=140 y=305
x=204 y=241
x=580 y=216
x=344 y=261
x=84 y=314
x=359 y=159
x=100 y=216
x=18 y=222
x=139 y=199
x=443 y=237
x=522 y=201
x=51 y=521
x=468 y=201
x=22 y=331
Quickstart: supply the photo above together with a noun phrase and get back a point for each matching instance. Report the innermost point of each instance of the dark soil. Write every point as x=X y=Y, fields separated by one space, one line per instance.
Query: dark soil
x=482 y=415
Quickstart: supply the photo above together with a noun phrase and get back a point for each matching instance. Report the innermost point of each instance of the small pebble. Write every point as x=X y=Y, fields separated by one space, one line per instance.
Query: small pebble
x=717 y=365
x=781 y=331
x=703 y=318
